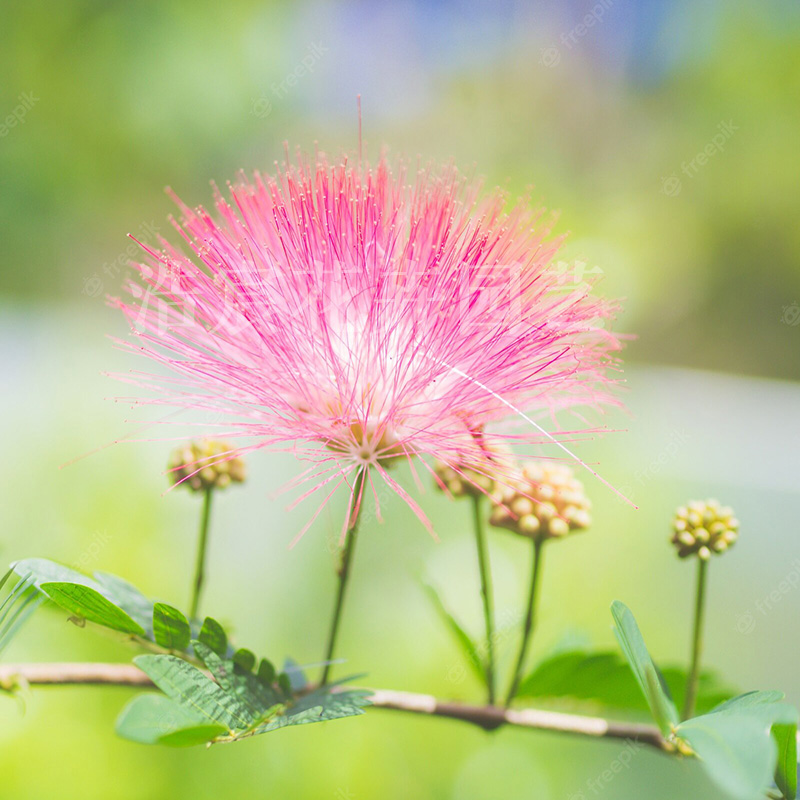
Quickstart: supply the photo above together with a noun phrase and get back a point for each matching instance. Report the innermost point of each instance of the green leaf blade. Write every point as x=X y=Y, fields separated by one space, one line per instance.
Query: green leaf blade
x=23 y=600
x=734 y=752
x=213 y=635
x=460 y=635
x=170 y=627
x=42 y=570
x=644 y=669
x=156 y=719
x=786 y=768
x=128 y=598
x=747 y=739
x=244 y=659
x=86 y=602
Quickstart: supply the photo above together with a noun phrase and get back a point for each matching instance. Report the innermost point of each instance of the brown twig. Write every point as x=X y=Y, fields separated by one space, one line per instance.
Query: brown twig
x=486 y=717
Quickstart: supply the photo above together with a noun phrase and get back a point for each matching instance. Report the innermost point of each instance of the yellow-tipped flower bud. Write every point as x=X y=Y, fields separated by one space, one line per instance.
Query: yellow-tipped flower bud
x=702 y=528
x=470 y=478
x=197 y=465
x=544 y=501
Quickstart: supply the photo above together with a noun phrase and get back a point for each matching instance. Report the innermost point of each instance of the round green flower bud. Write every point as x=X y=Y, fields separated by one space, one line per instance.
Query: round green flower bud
x=703 y=527
x=544 y=501
x=186 y=465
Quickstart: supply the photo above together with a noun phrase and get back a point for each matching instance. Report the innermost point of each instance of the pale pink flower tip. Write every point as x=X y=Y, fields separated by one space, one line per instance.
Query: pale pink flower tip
x=361 y=314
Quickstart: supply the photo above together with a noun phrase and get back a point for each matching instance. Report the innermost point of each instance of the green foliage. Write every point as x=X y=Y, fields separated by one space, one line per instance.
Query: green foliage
x=107 y=600
x=785 y=735
x=189 y=686
x=231 y=703
x=170 y=627
x=741 y=743
x=745 y=741
x=129 y=599
x=92 y=606
x=460 y=635
x=733 y=752
x=21 y=602
x=651 y=683
x=157 y=719
x=212 y=692
x=604 y=679
x=113 y=603
x=245 y=659
x=213 y=635
x=240 y=682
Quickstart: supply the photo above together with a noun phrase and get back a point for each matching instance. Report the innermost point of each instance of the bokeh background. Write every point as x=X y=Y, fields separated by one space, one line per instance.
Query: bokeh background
x=665 y=132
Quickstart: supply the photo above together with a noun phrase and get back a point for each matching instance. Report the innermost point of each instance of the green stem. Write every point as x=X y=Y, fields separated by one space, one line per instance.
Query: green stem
x=697 y=641
x=199 y=572
x=530 y=619
x=343 y=573
x=486 y=594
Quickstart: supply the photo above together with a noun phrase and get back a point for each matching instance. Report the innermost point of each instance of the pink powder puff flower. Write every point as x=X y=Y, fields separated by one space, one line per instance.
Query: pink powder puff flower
x=360 y=314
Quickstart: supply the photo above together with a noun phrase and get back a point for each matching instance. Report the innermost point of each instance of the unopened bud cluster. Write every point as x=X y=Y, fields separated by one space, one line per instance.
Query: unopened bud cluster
x=470 y=479
x=546 y=501
x=704 y=527
x=198 y=466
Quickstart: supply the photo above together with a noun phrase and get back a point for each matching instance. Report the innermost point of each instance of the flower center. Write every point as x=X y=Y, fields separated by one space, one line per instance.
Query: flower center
x=368 y=445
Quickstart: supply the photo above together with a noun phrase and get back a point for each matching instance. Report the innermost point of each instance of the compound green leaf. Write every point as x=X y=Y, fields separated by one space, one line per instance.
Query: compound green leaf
x=319 y=706
x=242 y=684
x=189 y=687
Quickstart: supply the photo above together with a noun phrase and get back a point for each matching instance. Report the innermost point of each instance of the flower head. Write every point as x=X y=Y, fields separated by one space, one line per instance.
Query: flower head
x=466 y=478
x=360 y=315
x=704 y=527
x=202 y=464
x=545 y=501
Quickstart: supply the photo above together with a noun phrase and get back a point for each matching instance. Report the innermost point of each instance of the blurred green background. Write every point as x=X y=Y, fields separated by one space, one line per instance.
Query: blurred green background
x=667 y=135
